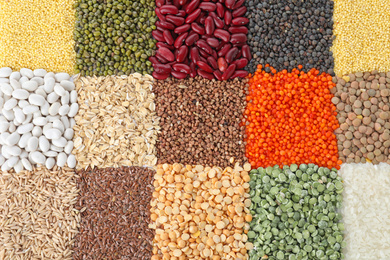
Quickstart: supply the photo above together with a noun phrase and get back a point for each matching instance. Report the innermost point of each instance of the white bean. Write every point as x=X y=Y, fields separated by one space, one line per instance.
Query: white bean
x=68 y=134
x=36 y=100
x=45 y=108
x=3 y=126
x=26 y=73
x=6 y=89
x=71 y=161
x=20 y=94
x=18 y=167
x=10 y=104
x=9 y=114
x=23 y=103
x=68 y=147
x=59 y=90
x=12 y=161
x=65 y=121
x=23 y=80
x=12 y=127
x=61 y=76
x=5 y=72
x=65 y=98
x=52 y=97
x=74 y=108
x=14 y=150
x=64 y=110
x=59 y=125
x=38 y=157
x=56 y=148
x=5 y=167
x=24 y=140
x=73 y=96
x=52 y=133
x=15 y=75
x=27 y=165
x=53 y=110
x=61 y=159
x=50 y=162
x=44 y=144
x=2 y=160
x=39 y=73
x=32 y=144
x=15 y=84
x=37 y=131
x=49 y=75
x=51 y=154
x=40 y=91
x=41 y=121
x=67 y=85
x=13 y=139
x=49 y=85
x=19 y=115
x=61 y=142
x=30 y=85
x=25 y=128
x=30 y=109
x=39 y=80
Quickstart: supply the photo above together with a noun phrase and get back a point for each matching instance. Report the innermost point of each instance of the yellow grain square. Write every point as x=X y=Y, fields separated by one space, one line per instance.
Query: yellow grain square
x=37 y=34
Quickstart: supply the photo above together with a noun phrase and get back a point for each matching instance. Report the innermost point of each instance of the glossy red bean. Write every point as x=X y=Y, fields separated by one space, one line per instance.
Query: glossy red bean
x=161 y=44
x=198 y=28
x=222 y=34
x=176 y=3
x=191 y=39
x=202 y=44
x=220 y=10
x=180 y=40
x=166 y=25
x=214 y=54
x=238 y=38
x=160 y=3
x=238 y=29
x=222 y=52
x=231 y=54
x=153 y=60
x=222 y=64
x=159 y=14
x=208 y=6
x=240 y=21
x=182 y=29
x=161 y=59
x=238 y=4
x=239 y=73
x=168 y=37
x=181 y=67
x=218 y=22
x=212 y=42
x=204 y=66
x=182 y=2
x=179 y=75
x=158 y=36
x=182 y=53
x=203 y=53
x=181 y=13
x=212 y=62
x=166 y=54
x=159 y=27
x=175 y=20
x=217 y=74
x=202 y=18
x=229 y=72
x=228 y=17
x=205 y=74
x=162 y=68
x=193 y=16
x=230 y=3
x=192 y=6
x=246 y=52
x=209 y=25
x=239 y=12
x=203 y=59
x=169 y=9
x=159 y=76
x=240 y=63
x=193 y=70
x=194 y=53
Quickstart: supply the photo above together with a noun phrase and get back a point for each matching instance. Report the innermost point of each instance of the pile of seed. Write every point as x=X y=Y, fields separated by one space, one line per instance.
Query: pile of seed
x=117 y=124
x=201 y=212
x=37 y=34
x=290 y=119
x=200 y=121
x=289 y=33
x=114 y=37
x=295 y=213
x=37 y=110
x=362 y=36
x=37 y=213
x=115 y=213
x=363 y=111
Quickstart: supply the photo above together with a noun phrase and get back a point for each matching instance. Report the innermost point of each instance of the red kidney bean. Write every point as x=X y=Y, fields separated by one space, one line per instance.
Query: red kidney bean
x=238 y=29
x=238 y=38
x=220 y=10
x=239 y=12
x=182 y=2
x=158 y=36
x=162 y=68
x=153 y=60
x=214 y=54
x=228 y=17
x=240 y=63
x=179 y=75
x=175 y=20
x=193 y=70
x=238 y=4
x=159 y=76
x=246 y=52
x=202 y=18
x=181 y=13
x=238 y=54
x=203 y=59
x=161 y=59
x=192 y=6
x=218 y=22
x=229 y=72
x=240 y=74
x=168 y=37
x=160 y=3
x=202 y=44
x=192 y=39
x=204 y=66
x=209 y=25
x=192 y=17
x=207 y=6
x=203 y=53
x=159 y=15
x=182 y=53
x=212 y=42
x=161 y=44
x=217 y=74
x=180 y=67
x=222 y=64
x=166 y=25
x=182 y=28
x=197 y=28
x=159 y=27
x=176 y=3
x=212 y=62
x=205 y=74
x=194 y=53
x=230 y=3
x=169 y=9
x=166 y=54
x=231 y=54
x=240 y=21
x=222 y=52
x=222 y=34
x=180 y=40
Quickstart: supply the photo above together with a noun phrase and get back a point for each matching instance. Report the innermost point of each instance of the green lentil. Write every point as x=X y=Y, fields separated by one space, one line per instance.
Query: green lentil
x=296 y=217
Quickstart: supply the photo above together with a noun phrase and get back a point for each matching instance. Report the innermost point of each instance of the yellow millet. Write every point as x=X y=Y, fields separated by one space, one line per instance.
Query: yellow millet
x=362 y=30
x=37 y=34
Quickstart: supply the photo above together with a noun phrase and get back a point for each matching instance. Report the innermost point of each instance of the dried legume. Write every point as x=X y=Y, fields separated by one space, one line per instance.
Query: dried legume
x=201 y=212
x=200 y=121
x=115 y=213
x=295 y=213
x=290 y=119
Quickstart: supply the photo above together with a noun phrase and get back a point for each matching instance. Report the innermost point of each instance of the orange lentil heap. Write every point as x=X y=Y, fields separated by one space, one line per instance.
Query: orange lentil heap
x=290 y=118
